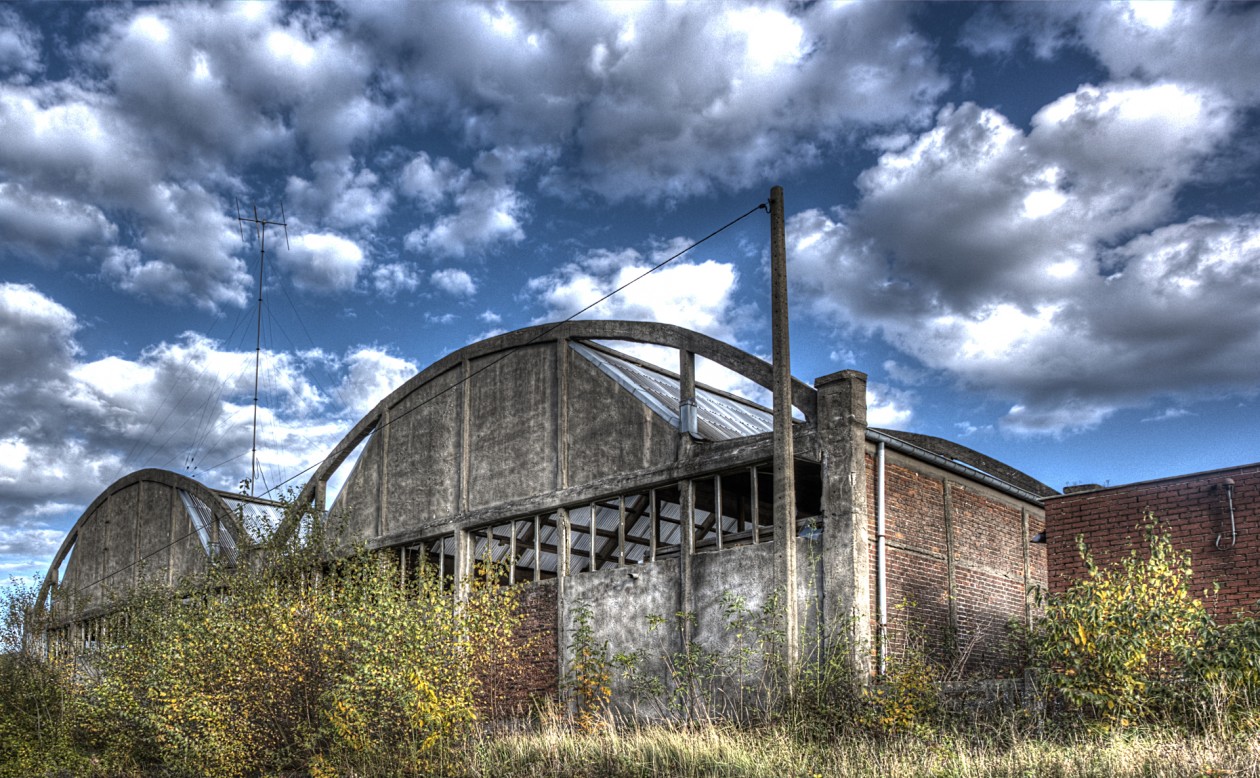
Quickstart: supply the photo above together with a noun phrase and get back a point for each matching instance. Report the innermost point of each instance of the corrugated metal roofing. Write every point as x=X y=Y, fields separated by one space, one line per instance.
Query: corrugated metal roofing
x=718 y=417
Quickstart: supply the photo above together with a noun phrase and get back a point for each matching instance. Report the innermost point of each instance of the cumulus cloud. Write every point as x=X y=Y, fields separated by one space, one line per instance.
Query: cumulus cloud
x=1208 y=45
x=1034 y=265
x=371 y=374
x=167 y=101
x=73 y=425
x=485 y=214
x=323 y=262
x=19 y=45
x=394 y=278
x=659 y=99
x=340 y=195
x=454 y=282
x=432 y=181
x=697 y=295
x=887 y=406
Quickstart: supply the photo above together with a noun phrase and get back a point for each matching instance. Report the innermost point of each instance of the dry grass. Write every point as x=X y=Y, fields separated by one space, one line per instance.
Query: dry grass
x=773 y=753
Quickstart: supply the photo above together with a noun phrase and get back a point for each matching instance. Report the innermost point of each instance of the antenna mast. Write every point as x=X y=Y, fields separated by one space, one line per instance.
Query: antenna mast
x=261 y=225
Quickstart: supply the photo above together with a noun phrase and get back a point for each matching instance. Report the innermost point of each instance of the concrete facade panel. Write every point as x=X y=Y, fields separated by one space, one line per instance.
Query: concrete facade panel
x=422 y=468
x=512 y=423
x=355 y=509
x=610 y=430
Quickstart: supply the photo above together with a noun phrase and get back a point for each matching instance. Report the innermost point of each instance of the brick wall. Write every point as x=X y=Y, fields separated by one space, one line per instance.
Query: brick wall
x=508 y=690
x=1194 y=510
x=945 y=533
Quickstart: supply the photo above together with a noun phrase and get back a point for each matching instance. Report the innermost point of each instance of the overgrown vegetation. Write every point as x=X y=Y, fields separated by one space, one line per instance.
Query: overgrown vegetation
x=308 y=662
x=1130 y=643
x=318 y=665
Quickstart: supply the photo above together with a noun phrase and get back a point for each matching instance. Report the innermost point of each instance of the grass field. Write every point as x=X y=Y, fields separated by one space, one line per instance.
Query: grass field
x=774 y=753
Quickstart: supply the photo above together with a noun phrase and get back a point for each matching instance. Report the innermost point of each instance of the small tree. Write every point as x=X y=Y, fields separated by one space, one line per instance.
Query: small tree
x=1113 y=645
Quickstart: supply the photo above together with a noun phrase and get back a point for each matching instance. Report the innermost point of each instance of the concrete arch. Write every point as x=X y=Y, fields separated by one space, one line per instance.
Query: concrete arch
x=166 y=478
x=804 y=397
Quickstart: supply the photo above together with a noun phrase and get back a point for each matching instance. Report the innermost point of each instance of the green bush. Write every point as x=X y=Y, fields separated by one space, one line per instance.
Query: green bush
x=34 y=731
x=297 y=661
x=1130 y=643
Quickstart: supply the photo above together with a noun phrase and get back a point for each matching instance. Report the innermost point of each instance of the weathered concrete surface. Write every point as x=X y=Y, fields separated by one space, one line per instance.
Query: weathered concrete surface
x=138 y=526
x=610 y=430
x=624 y=602
x=846 y=554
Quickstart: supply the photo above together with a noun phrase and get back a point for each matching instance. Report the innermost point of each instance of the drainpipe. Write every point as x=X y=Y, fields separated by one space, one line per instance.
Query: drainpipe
x=881 y=584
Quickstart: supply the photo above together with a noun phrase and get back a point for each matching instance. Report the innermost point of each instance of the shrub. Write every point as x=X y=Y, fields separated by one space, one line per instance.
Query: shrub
x=300 y=662
x=34 y=736
x=1113 y=645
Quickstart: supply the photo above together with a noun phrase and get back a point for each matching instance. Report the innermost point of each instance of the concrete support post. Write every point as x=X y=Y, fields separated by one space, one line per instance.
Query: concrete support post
x=784 y=457
x=562 y=413
x=564 y=637
x=846 y=560
x=688 y=421
x=463 y=563
x=465 y=434
x=320 y=503
x=382 y=483
x=686 y=551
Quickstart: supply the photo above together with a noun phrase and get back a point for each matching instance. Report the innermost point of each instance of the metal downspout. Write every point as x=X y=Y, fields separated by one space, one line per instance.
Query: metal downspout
x=881 y=583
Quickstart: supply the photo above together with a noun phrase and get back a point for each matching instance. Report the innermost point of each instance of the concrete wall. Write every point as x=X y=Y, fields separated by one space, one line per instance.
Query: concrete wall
x=1193 y=509
x=536 y=421
x=959 y=564
x=622 y=603
x=137 y=529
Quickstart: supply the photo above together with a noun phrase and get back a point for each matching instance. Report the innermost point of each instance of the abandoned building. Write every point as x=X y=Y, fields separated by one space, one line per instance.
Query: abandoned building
x=618 y=489
x=1213 y=515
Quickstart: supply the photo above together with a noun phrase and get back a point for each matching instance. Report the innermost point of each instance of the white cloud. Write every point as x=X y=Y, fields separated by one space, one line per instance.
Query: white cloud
x=657 y=98
x=432 y=182
x=371 y=374
x=887 y=406
x=323 y=262
x=394 y=278
x=454 y=282
x=697 y=295
x=485 y=214
x=19 y=45
x=944 y=257
x=74 y=425
x=341 y=196
x=1168 y=414
x=48 y=227
x=489 y=317
x=1204 y=44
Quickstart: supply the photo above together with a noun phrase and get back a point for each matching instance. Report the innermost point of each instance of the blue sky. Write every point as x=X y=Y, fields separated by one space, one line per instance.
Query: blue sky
x=1033 y=225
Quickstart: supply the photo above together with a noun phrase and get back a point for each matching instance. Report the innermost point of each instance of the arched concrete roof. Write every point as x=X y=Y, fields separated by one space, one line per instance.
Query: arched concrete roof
x=167 y=478
x=757 y=370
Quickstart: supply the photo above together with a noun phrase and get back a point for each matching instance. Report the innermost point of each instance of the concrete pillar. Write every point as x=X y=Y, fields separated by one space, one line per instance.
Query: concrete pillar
x=686 y=551
x=463 y=563
x=321 y=497
x=562 y=413
x=688 y=421
x=784 y=456
x=382 y=482
x=846 y=561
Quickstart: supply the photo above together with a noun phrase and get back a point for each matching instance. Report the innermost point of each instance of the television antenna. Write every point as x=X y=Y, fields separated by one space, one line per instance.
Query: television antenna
x=260 y=225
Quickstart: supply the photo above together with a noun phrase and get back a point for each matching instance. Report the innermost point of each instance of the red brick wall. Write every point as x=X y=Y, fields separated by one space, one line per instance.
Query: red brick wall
x=987 y=552
x=508 y=690
x=1194 y=509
